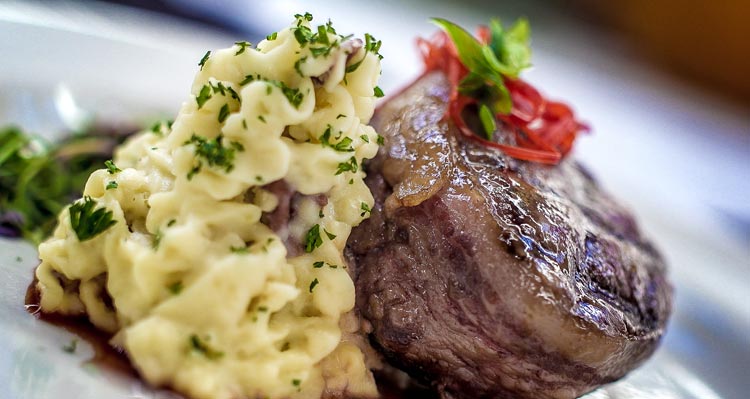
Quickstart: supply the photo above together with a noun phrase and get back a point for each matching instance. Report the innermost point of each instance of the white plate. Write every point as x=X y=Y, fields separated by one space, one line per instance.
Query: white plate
x=118 y=70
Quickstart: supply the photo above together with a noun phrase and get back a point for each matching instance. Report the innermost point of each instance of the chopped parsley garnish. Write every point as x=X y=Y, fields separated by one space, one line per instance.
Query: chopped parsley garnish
x=159 y=128
x=345 y=145
x=111 y=167
x=203 y=96
x=303 y=34
x=71 y=346
x=262 y=308
x=320 y=43
x=365 y=138
x=214 y=152
x=353 y=67
x=88 y=222
x=339 y=116
x=307 y=16
x=331 y=236
x=365 y=209
x=238 y=250
x=313 y=284
x=157 y=240
x=298 y=65
x=348 y=166
x=378 y=92
x=242 y=46
x=244 y=124
x=175 y=288
x=261 y=118
x=380 y=140
x=294 y=96
x=272 y=36
x=296 y=382
x=250 y=78
x=198 y=345
x=372 y=45
x=319 y=264
x=203 y=60
x=171 y=222
x=223 y=113
x=313 y=239
x=112 y=185
x=223 y=90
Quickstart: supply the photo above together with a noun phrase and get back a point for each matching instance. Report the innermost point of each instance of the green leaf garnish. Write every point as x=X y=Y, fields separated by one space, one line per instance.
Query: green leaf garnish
x=313 y=239
x=348 y=166
x=111 y=167
x=214 y=152
x=203 y=60
x=507 y=54
x=313 y=284
x=242 y=46
x=488 y=120
x=200 y=346
x=223 y=113
x=88 y=222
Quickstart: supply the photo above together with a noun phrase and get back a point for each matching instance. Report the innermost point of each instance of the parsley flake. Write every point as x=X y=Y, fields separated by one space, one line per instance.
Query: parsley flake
x=348 y=166
x=214 y=152
x=203 y=96
x=175 y=288
x=111 y=167
x=365 y=209
x=272 y=36
x=203 y=60
x=112 y=185
x=378 y=92
x=242 y=47
x=313 y=284
x=88 y=222
x=318 y=264
x=239 y=250
x=313 y=239
x=345 y=145
x=201 y=347
x=223 y=113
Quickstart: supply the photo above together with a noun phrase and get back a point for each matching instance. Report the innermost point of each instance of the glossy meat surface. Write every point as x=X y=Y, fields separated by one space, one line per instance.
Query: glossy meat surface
x=488 y=277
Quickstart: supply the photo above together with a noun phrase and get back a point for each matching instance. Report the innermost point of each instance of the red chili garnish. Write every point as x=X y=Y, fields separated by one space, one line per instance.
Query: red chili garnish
x=544 y=130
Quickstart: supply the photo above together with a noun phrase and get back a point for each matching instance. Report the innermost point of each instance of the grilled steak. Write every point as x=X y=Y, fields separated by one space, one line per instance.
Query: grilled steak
x=489 y=277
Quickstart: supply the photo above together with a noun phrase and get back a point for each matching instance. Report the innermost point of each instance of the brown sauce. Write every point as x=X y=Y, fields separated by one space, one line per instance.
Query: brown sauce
x=105 y=355
x=115 y=361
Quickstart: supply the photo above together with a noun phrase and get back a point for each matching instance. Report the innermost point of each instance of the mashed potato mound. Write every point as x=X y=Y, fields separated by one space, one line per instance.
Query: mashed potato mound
x=167 y=250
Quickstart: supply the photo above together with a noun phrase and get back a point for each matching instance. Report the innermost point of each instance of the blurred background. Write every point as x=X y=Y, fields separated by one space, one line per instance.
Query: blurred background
x=664 y=84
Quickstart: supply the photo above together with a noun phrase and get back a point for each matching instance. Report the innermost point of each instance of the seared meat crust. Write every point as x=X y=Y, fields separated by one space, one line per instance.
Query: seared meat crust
x=489 y=277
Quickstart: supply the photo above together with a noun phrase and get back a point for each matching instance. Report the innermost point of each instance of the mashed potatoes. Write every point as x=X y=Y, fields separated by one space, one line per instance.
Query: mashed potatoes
x=168 y=250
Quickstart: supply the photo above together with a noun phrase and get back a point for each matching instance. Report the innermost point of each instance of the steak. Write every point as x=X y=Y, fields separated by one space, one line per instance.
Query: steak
x=488 y=277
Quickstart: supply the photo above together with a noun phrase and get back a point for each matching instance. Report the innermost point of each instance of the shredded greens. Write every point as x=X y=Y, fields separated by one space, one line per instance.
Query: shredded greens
x=38 y=179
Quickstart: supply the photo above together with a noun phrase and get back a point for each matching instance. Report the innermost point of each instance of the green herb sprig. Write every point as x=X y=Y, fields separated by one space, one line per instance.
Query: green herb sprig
x=505 y=56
